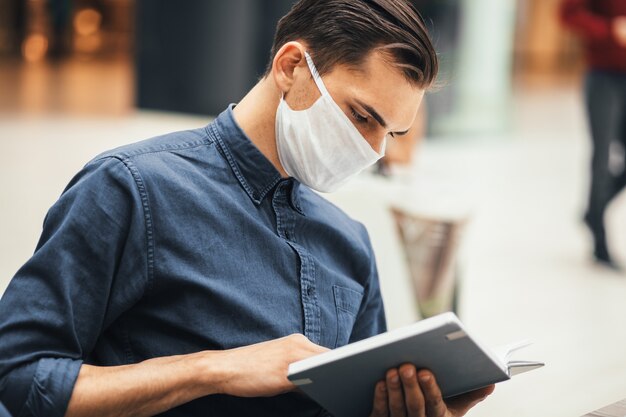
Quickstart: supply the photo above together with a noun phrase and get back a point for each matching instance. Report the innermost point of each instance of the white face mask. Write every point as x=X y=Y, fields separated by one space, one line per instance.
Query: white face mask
x=320 y=146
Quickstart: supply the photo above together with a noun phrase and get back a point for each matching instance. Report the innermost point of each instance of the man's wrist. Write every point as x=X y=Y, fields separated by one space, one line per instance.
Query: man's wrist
x=211 y=371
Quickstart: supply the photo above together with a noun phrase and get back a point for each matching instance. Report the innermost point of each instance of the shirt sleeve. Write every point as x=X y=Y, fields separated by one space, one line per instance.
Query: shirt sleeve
x=90 y=265
x=578 y=15
x=370 y=319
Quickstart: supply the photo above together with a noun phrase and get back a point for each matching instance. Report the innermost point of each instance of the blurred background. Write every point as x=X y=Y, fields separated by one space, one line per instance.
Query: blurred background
x=478 y=211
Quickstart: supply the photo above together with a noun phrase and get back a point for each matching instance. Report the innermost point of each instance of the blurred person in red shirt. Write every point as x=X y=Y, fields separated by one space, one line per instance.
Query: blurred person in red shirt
x=602 y=26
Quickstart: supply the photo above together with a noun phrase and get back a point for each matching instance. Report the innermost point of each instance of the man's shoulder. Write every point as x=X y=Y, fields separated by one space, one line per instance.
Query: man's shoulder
x=139 y=161
x=162 y=144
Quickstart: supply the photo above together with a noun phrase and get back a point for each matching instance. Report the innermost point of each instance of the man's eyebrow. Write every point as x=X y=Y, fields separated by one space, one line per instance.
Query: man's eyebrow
x=378 y=117
x=372 y=113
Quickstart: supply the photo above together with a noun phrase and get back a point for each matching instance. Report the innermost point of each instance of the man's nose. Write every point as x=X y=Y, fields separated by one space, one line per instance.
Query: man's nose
x=378 y=141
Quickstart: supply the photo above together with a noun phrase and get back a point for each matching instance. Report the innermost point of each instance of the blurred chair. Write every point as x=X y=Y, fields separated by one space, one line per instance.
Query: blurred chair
x=431 y=246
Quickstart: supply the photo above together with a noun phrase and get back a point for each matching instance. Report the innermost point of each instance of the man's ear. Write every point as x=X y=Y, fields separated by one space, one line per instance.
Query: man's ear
x=287 y=59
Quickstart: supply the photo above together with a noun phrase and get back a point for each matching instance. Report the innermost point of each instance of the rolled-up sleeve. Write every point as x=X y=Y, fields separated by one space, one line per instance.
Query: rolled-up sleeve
x=90 y=265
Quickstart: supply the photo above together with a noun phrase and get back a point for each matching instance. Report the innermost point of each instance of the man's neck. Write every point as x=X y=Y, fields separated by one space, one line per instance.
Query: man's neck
x=256 y=115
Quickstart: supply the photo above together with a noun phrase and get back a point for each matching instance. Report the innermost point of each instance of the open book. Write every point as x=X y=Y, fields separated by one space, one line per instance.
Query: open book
x=343 y=380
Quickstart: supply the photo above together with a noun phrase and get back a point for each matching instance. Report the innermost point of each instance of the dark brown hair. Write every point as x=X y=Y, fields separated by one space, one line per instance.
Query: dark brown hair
x=346 y=31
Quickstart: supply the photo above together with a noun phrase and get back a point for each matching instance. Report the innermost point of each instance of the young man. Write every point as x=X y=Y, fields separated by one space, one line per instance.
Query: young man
x=602 y=25
x=181 y=275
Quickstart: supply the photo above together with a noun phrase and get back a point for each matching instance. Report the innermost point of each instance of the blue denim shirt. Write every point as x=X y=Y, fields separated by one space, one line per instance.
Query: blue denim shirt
x=185 y=242
x=3 y=411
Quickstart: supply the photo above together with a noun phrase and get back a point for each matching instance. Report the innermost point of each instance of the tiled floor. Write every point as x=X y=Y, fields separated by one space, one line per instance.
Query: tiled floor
x=526 y=271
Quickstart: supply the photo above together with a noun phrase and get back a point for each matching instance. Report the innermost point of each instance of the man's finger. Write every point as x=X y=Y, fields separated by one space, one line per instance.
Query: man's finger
x=381 y=403
x=480 y=394
x=413 y=397
x=463 y=403
x=435 y=407
x=395 y=395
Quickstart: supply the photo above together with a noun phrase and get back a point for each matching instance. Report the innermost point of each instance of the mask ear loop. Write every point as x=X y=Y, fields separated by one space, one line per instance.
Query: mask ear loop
x=316 y=75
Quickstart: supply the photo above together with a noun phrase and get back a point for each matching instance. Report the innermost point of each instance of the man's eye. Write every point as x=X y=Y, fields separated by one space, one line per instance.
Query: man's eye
x=358 y=117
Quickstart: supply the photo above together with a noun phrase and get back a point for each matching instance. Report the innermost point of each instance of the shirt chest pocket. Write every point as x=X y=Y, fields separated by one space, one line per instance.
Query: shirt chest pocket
x=347 y=303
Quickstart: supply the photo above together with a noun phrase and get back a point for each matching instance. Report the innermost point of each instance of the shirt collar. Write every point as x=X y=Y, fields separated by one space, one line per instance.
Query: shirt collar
x=256 y=174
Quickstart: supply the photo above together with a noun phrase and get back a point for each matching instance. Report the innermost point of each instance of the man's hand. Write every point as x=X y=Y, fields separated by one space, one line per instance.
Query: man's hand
x=408 y=393
x=260 y=369
x=157 y=385
x=619 y=30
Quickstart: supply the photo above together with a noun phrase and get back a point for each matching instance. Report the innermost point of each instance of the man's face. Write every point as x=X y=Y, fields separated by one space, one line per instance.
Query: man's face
x=376 y=97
